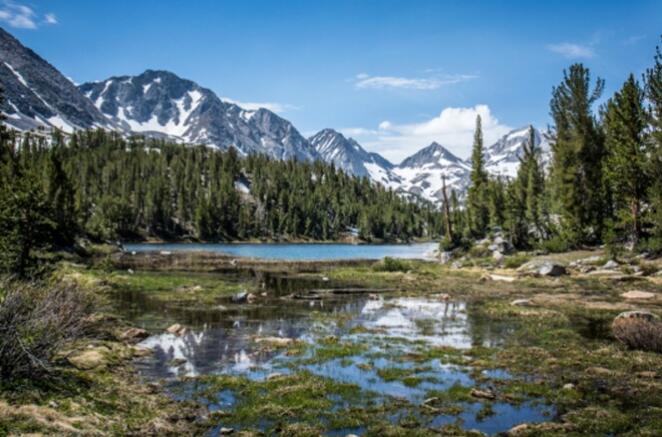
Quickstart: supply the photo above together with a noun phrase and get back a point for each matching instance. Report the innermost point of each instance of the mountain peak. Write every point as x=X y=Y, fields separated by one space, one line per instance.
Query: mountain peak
x=434 y=154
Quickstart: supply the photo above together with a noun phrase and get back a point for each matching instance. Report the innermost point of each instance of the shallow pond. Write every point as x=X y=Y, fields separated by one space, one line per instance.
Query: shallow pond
x=299 y=251
x=350 y=337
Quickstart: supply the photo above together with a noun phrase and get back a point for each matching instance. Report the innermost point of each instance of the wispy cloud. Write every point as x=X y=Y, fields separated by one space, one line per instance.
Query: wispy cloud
x=631 y=40
x=364 y=80
x=278 y=108
x=20 y=16
x=572 y=50
x=50 y=18
x=453 y=128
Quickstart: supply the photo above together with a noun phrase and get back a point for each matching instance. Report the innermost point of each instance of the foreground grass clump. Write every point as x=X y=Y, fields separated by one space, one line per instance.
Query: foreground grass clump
x=36 y=321
x=389 y=264
x=277 y=403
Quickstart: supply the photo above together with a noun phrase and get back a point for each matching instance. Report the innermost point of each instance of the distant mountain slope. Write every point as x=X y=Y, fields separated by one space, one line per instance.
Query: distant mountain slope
x=422 y=172
x=38 y=96
x=502 y=157
x=159 y=103
x=348 y=155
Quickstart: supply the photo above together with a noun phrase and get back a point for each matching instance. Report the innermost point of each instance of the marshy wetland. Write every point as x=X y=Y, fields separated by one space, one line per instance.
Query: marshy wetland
x=366 y=348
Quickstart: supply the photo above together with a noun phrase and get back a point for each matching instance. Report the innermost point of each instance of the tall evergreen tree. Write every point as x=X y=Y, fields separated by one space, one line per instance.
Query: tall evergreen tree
x=653 y=91
x=477 y=203
x=577 y=155
x=627 y=156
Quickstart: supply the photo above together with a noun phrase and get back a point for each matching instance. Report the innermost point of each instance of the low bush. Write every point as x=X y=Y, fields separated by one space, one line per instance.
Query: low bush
x=555 y=244
x=35 y=323
x=639 y=333
x=389 y=264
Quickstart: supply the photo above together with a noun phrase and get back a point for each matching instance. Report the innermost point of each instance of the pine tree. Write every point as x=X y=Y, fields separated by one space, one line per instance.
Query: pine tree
x=61 y=195
x=653 y=91
x=477 y=205
x=578 y=151
x=627 y=156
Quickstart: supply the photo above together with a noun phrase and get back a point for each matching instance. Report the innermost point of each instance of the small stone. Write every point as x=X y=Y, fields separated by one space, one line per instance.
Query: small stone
x=445 y=257
x=325 y=279
x=176 y=329
x=521 y=302
x=502 y=278
x=134 y=335
x=351 y=435
x=638 y=294
x=610 y=265
x=568 y=386
x=226 y=431
x=482 y=394
x=373 y=296
x=498 y=257
x=275 y=341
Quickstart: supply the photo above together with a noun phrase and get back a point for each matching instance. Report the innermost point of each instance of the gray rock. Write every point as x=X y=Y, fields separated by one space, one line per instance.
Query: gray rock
x=445 y=257
x=498 y=257
x=551 y=269
x=610 y=265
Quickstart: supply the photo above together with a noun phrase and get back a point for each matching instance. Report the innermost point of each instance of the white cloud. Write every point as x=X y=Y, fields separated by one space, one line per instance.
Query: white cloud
x=572 y=50
x=364 y=80
x=278 y=108
x=453 y=128
x=22 y=17
x=50 y=18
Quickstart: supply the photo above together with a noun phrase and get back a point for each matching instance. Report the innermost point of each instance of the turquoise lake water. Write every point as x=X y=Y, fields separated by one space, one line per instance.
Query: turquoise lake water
x=298 y=251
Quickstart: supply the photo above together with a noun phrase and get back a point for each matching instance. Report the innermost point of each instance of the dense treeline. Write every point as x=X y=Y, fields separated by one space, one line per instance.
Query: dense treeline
x=604 y=182
x=105 y=186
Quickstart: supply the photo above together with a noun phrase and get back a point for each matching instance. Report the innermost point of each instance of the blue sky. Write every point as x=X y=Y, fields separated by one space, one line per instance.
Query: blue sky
x=393 y=74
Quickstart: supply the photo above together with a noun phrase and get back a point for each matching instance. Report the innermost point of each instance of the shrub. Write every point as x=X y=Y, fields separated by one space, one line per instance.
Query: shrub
x=35 y=323
x=389 y=264
x=639 y=333
x=555 y=244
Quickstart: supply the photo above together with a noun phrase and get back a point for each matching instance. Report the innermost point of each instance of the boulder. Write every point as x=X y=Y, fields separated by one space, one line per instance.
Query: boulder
x=551 y=269
x=134 y=335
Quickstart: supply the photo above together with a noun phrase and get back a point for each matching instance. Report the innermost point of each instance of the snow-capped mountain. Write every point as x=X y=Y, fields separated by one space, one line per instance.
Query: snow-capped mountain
x=422 y=173
x=502 y=157
x=159 y=103
x=36 y=95
x=348 y=155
